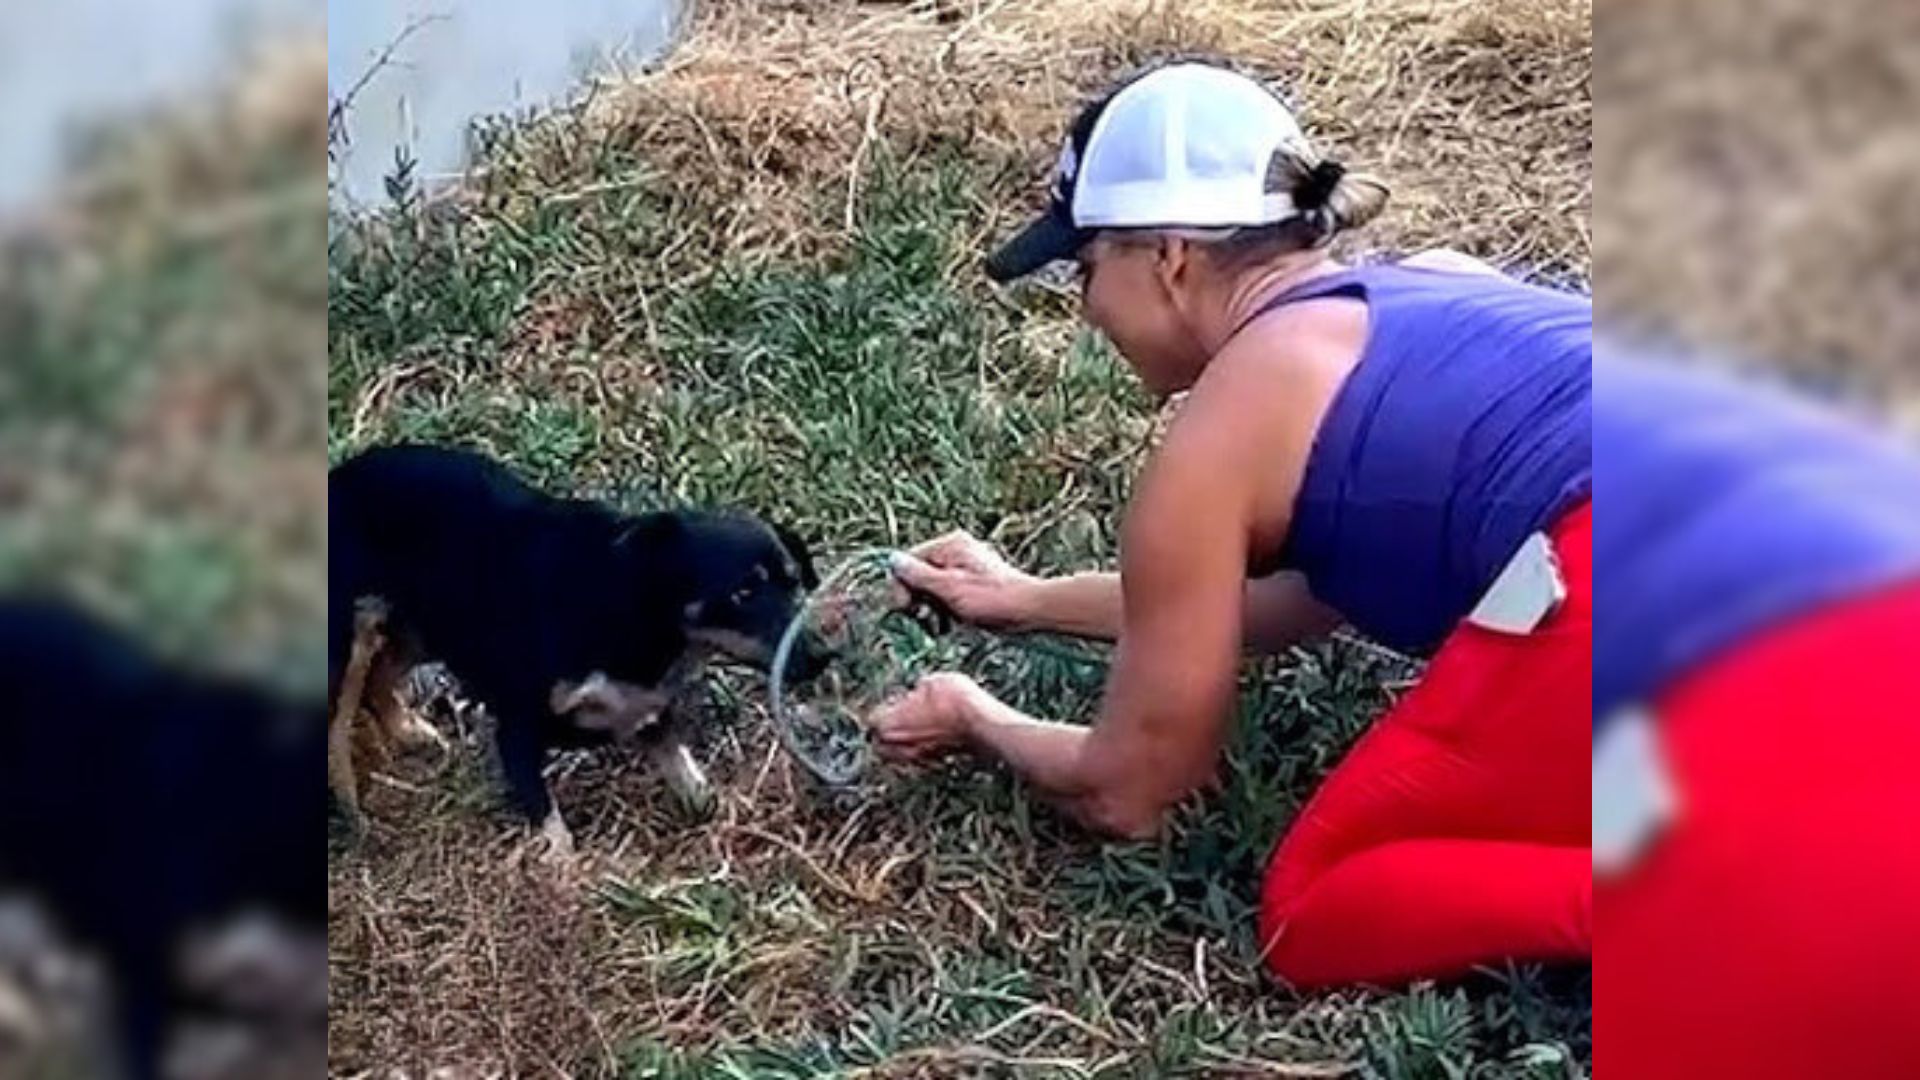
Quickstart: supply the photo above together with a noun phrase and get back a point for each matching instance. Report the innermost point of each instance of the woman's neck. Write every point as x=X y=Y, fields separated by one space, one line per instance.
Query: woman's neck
x=1246 y=295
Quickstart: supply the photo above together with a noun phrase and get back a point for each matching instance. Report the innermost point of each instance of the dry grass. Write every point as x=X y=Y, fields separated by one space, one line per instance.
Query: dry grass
x=1479 y=112
x=750 y=278
x=1760 y=167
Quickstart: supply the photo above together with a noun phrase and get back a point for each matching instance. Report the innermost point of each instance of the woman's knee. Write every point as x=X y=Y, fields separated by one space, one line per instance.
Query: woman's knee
x=1430 y=908
x=1285 y=885
x=1282 y=953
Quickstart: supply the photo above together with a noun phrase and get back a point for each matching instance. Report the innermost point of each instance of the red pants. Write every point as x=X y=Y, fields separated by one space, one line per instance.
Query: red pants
x=1456 y=833
x=1773 y=933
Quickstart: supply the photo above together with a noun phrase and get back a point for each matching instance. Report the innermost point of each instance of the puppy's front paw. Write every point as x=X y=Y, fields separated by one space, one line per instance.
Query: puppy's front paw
x=555 y=841
x=688 y=781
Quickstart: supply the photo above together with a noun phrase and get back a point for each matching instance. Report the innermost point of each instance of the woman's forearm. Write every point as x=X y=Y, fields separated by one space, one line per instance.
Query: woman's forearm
x=1052 y=758
x=1279 y=612
x=1078 y=605
x=1045 y=753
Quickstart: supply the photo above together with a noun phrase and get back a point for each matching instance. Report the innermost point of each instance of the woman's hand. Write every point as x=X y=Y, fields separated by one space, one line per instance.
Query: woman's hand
x=971 y=579
x=935 y=717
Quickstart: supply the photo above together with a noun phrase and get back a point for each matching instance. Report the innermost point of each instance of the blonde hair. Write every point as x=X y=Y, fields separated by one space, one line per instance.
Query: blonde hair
x=1328 y=196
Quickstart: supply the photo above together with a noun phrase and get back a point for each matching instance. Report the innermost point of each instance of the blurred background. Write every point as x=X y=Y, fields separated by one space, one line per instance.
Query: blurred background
x=66 y=68
x=1758 y=174
x=168 y=176
x=1757 y=163
x=162 y=321
x=162 y=380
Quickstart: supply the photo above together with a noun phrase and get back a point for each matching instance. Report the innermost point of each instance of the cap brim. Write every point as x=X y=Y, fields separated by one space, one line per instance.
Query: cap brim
x=1049 y=239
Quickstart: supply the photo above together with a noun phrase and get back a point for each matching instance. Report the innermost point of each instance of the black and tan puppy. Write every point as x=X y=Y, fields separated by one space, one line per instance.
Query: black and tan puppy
x=143 y=807
x=574 y=625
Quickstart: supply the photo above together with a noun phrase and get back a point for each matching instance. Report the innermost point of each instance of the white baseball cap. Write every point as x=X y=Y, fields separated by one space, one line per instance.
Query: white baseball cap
x=1188 y=145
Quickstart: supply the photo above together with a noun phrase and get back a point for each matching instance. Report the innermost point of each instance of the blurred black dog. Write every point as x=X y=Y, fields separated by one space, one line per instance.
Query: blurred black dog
x=574 y=625
x=143 y=808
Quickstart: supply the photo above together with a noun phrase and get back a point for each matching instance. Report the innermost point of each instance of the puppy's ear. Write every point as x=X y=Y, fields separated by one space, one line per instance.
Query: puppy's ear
x=802 y=555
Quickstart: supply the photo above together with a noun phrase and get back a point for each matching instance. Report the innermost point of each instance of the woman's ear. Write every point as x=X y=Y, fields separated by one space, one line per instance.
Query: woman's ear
x=1173 y=264
x=1177 y=266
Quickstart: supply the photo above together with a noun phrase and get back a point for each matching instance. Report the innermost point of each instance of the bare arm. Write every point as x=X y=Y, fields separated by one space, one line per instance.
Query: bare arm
x=1170 y=692
x=1182 y=613
x=1079 y=605
x=1282 y=613
x=1279 y=611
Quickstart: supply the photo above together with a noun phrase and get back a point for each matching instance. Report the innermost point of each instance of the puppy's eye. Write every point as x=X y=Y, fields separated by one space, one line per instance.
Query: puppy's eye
x=741 y=595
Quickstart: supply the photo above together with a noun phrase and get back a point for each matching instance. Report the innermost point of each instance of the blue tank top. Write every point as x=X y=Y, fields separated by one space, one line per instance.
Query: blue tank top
x=1729 y=509
x=1464 y=427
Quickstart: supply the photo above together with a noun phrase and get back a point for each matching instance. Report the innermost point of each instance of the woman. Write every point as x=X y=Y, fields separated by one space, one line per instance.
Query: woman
x=1376 y=446
x=1758 y=708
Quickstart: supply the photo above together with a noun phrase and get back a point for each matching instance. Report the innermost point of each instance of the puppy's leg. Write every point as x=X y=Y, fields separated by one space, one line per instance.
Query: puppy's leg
x=371 y=750
x=402 y=726
x=340 y=778
x=143 y=1012
x=523 y=759
x=369 y=625
x=675 y=761
x=20 y=1022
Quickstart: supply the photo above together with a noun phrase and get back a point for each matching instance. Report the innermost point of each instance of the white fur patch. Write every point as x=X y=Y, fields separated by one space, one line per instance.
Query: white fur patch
x=556 y=837
x=598 y=703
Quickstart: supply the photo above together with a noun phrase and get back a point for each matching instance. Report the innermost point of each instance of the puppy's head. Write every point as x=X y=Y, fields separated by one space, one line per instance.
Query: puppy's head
x=743 y=581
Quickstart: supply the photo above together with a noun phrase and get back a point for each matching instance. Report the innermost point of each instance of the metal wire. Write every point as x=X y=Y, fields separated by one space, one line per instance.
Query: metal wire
x=785 y=721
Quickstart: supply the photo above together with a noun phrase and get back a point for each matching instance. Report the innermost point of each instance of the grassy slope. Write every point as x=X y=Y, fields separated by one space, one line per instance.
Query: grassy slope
x=160 y=376
x=870 y=390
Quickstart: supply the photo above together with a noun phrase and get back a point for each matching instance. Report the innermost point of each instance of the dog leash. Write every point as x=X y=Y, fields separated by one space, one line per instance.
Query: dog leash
x=933 y=615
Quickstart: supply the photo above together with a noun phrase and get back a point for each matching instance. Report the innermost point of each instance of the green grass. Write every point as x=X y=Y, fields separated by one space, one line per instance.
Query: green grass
x=878 y=395
x=160 y=386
